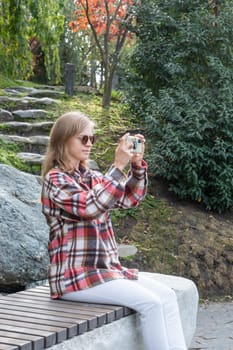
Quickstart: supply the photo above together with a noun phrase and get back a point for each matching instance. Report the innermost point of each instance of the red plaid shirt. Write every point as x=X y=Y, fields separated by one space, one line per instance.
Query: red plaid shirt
x=82 y=247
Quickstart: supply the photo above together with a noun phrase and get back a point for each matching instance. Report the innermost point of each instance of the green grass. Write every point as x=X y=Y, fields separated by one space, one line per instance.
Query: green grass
x=8 y=156
x=6 y=82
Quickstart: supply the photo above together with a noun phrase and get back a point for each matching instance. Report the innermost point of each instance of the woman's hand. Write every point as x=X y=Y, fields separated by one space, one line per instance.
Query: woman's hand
x=123 y=153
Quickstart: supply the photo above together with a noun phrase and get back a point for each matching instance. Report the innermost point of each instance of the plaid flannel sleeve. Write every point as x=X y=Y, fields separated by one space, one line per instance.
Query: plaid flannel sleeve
x=65 y=193
x=135 y=187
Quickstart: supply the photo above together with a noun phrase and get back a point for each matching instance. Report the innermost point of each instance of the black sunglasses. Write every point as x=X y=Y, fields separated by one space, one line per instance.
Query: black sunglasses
x=84 y=139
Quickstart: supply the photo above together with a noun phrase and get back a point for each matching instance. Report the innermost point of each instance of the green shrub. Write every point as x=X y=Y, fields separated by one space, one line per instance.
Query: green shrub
x=182 y=81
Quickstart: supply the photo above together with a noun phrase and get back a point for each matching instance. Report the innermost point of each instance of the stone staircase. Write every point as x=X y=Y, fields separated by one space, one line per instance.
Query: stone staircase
x=23 y=122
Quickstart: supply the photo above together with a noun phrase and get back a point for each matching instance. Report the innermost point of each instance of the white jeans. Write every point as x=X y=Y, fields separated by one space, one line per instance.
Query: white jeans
x=155 y=302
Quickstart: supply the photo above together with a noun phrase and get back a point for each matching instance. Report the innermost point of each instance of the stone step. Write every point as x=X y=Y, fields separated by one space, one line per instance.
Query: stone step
x=16 y=90
x=37 y=143
x=32 y=92
x=46 y=93
x=12 y=103
x=25 y=128
x=31 y=158
x=29 y=114
x=20 y=114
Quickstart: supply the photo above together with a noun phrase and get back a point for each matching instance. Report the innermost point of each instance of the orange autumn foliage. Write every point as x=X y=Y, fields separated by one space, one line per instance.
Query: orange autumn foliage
x=104 y=16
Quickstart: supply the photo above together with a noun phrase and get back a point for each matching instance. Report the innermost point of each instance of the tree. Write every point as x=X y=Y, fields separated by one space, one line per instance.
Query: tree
x=14 y=44
x=109 y=22
x=77 y=49
x=182 y=83
x=22 y=20
x=47 y=24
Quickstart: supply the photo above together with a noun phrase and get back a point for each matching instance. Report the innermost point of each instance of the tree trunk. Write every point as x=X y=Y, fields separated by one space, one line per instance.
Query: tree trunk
x=108 y=79
x=93 y=74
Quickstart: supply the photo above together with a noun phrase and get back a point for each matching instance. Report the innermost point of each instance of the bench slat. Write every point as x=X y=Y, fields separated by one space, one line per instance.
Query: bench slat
x=37 y=342
x=49 y=337
x=85 y=309
x=82 y=325
x=8 y=347
x=42 y=317
x=65 y=306
x=43 y=291
x=60 y=333
x=23 y=344
x=48 y=305
x=112 y=312
x=70 y=326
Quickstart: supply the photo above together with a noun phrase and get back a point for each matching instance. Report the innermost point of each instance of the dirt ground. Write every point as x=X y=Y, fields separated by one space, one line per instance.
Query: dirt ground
x=180 y=237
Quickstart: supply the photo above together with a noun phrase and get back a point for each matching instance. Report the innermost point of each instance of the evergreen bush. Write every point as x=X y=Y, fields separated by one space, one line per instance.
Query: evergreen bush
x=181 y=84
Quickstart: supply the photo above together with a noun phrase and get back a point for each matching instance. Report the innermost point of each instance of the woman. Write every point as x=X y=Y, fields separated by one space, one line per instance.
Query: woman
x=84 y=263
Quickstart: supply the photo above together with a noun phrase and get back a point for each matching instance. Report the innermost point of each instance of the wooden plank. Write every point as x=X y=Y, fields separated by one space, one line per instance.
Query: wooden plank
x=43 y=291
x=8 y=347
x=49 y=337
x=48 y=305
x=23 y=344
x=100 y=315
x=103 y=316
x=91 y=309
x=37 y=342
x=46 y=314
x=61 y=333
x=71 y=327
x=112 y=312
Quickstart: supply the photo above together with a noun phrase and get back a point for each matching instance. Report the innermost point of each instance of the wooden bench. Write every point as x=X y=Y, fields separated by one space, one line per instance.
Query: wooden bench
x=30 y=320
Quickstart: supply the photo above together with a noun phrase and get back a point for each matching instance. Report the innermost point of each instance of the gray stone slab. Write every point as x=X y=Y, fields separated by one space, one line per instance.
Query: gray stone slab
x=30 y=113
x=39 y=140
x=214 y=327
x=31 y=158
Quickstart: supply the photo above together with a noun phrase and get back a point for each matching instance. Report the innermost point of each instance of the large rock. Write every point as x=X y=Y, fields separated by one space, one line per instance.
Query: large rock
x=23 y=230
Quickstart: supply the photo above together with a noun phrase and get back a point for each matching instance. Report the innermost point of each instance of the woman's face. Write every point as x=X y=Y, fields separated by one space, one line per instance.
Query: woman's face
x=76 y=150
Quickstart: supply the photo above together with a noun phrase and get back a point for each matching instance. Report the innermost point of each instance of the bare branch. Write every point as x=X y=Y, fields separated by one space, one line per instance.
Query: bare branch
x=86 y=9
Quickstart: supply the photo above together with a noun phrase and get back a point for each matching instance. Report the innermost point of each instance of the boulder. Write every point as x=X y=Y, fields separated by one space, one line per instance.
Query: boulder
x=23 y=230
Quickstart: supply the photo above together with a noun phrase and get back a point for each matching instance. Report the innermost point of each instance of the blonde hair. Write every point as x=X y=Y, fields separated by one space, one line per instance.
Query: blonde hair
x=66 y=126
